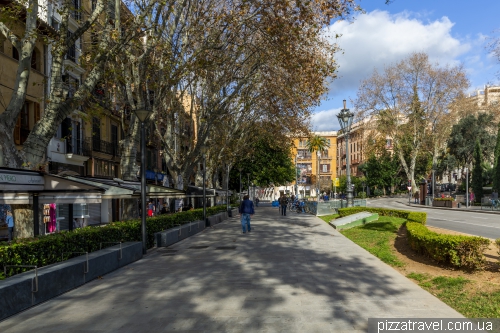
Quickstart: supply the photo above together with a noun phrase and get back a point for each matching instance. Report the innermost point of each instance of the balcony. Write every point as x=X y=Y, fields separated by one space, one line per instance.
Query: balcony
x=110 y=148
x=68 y=151
x=355 y=162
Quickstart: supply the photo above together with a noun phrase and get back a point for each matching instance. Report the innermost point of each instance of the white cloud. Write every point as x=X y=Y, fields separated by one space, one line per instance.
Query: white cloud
x=325 y=120
x=378 y=39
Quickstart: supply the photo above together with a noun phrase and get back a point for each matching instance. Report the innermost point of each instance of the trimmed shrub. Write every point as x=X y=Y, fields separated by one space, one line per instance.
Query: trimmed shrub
x=419 y=217
x=48 y=249
x=457 y=250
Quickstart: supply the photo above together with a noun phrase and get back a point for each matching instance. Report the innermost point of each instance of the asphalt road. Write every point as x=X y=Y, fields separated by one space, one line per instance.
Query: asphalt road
x=473 y=223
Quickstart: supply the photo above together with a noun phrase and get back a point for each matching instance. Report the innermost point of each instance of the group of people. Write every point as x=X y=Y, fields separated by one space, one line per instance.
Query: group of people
x=151 y=209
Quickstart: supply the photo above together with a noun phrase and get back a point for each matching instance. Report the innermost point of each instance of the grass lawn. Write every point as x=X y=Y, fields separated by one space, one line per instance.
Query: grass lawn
x=328 y=218
x=462 y=295
x=375 y=237
x=471 y=298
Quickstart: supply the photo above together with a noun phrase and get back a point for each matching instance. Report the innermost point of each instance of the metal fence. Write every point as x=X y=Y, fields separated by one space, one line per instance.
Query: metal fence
x=332 y=206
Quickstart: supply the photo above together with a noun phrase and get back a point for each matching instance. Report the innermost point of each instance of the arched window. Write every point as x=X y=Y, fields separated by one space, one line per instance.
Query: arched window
x=35 y=57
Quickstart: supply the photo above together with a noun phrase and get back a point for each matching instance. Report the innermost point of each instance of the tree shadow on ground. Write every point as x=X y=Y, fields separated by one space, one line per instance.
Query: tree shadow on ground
x=291 y=274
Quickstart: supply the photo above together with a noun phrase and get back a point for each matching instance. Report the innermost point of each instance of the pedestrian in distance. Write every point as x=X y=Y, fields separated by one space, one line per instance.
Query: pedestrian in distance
x=257 y=202
x=164 y=209
x=10 y=224
x=283 y=203
x=246 y=211
x=151 y=209
x=416 y=196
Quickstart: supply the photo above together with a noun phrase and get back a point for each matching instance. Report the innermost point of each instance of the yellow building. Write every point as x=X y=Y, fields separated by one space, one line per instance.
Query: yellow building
x=34 y=103
x=313 y=165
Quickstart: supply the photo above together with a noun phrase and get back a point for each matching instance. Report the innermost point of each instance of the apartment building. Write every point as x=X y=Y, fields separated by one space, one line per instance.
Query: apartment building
x=313 y=170
x=357 y=142
x=34 y=104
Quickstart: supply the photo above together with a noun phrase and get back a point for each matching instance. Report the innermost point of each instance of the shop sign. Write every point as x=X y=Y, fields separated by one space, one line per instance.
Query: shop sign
x=21 y=179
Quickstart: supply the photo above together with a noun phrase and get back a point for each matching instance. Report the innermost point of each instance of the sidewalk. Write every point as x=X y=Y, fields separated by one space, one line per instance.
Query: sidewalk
x=473 y=209
x=290 y=274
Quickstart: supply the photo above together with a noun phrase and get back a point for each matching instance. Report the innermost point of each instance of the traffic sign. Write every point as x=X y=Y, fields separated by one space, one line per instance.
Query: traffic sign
x=409 y=188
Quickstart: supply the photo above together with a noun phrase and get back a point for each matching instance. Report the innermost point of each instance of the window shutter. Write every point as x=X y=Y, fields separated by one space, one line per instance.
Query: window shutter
x=17 y=131
x=37 y=112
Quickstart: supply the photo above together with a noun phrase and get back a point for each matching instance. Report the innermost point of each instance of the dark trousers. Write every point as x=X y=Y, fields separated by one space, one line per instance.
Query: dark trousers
x=283 y=210
x=11 y=231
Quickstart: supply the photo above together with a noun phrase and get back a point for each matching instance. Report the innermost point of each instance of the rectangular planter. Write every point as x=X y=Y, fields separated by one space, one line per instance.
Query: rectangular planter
x=17 y=292
x=447 y=204
x=176 y=234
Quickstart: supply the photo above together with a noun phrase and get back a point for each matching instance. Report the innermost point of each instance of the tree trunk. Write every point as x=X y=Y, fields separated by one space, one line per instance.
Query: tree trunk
x=128 y=147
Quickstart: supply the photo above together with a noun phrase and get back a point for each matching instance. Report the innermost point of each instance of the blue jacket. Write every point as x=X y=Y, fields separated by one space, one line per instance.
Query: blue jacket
x=10 y=221
x=246 y=207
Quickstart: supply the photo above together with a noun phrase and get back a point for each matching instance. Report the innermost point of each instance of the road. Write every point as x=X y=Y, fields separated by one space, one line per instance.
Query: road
x=473 y=223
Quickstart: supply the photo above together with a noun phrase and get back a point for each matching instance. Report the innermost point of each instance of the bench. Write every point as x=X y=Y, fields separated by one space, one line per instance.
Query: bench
x=491 y=203
x=353 y=220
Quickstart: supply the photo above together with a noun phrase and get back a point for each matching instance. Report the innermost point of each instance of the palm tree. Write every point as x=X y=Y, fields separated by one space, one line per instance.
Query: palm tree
x=317 y=143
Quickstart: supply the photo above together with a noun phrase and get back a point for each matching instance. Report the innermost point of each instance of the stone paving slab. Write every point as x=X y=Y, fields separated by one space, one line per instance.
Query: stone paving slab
x=290 y=274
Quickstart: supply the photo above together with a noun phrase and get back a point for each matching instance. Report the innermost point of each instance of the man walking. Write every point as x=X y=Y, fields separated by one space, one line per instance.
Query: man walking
x=10 y=224
x=246 y=211
x=283 y=203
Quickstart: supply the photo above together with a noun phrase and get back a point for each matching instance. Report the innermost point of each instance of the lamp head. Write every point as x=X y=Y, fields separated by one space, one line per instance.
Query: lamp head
x=345 y=118
x=142 y=114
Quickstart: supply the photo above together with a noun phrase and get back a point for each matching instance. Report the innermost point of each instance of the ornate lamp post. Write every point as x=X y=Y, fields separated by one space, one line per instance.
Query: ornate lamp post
x=318 y=153
x=143 y=115
x=227 y=186
x=296 y=181
x=345 y=120
x=240 y=169
x=204 y=149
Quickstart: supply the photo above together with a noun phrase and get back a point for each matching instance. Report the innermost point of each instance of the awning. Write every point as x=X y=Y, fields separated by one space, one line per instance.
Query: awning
x=112 y=188
x=19 y=187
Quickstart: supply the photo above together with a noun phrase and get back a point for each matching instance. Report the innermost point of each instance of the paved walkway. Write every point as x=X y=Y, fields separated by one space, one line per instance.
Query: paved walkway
x=290 y=274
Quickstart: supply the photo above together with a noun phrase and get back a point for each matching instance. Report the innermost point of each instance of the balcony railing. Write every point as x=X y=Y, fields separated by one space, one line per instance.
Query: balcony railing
x=74 y=147
x=105 y=147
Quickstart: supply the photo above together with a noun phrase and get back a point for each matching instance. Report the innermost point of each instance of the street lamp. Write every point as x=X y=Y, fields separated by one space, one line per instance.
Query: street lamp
x=433 y=180
x=345 y=120
x=204 y=150
x=318 y=153
x=296 y=181
x=240 y=169
x=227 y=186
x=143 y=115
x=248 y=183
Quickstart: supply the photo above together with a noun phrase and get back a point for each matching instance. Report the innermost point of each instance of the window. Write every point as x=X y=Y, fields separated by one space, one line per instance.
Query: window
x=325 y=167
x=71 y=55
x=114 y=139
x=55 y=24
x=303 y=153
x=22 y=128
x=34 y=57
x=104 y=168
x=76 y=10
x=324 y=153
x=96 y=134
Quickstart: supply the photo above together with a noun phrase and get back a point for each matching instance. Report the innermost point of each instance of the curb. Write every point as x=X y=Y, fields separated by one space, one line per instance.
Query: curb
x=453 y=209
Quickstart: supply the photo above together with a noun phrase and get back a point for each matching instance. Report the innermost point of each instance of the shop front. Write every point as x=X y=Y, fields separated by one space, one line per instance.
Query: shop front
x=41 y=203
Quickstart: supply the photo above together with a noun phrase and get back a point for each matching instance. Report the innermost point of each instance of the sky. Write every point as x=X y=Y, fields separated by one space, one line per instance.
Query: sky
x=452 y=32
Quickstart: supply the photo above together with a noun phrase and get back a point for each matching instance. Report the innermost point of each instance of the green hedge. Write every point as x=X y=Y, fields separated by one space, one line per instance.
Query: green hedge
x=457 y=250
x=419 y=217
x=47 y=249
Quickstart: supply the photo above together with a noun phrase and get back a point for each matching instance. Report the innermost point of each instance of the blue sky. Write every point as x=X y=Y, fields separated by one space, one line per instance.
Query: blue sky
x=450 y=31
